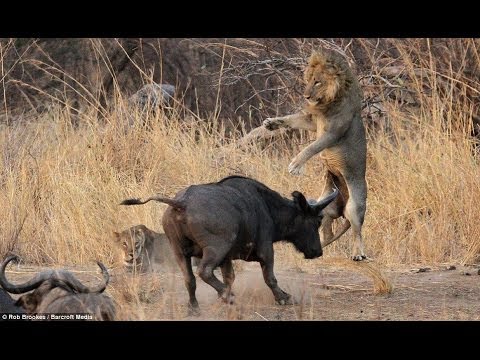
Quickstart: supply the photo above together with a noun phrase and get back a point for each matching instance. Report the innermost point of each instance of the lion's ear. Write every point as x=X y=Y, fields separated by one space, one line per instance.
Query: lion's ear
x=334 y=68
x=116 y=236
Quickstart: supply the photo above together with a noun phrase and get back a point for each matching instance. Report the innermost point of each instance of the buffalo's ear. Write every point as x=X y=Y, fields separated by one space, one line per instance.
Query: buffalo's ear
x=300 y=200
x=28 y=302
x=22 y=301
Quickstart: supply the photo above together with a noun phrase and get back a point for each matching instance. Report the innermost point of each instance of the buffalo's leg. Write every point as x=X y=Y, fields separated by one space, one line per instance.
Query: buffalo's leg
x=195 y=260
x=190 y=282
x=228 y=278
x=185 y=264
x=212 y=257
x=281 y=297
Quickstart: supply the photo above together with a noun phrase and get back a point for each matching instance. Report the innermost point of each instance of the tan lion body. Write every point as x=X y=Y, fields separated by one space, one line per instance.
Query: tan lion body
x=333 y=111
x=144 y=248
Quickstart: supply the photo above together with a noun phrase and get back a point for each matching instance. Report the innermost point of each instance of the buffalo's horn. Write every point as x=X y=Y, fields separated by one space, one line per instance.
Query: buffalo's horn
x=319 y=206
x=56 y=275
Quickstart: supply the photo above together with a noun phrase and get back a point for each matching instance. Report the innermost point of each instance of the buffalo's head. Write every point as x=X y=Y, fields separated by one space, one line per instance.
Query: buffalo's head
x=303 y=231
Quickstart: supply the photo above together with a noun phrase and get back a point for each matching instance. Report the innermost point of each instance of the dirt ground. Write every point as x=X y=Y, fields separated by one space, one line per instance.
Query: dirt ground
x=330 y=292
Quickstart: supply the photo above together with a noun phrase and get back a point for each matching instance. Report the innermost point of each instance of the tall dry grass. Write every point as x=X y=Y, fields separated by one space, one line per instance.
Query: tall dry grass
x=61 y=184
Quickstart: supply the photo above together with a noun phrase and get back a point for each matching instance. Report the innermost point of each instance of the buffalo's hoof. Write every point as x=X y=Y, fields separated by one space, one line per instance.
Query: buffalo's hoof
x=359 y=258
x=272 y=124
x=285 y=301
x=193 y=310
x=228 y=298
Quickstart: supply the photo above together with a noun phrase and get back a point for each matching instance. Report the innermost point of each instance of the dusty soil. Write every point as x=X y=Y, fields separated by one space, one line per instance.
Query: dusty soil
x=331 y=292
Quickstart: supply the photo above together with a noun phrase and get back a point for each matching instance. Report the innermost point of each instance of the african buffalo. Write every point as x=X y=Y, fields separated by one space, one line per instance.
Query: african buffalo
x=237 y=218
x=58 y=291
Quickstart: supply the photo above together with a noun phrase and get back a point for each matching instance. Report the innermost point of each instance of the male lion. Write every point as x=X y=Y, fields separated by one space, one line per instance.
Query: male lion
x=333 y=110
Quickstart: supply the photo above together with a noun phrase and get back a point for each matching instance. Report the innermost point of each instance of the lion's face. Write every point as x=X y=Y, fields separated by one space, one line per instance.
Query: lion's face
x=323 y=78
x=132 y=242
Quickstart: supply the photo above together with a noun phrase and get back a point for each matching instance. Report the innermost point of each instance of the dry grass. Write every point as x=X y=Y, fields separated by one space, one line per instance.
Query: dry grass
x=135 y=294
x=60 y=185
x=381 y=283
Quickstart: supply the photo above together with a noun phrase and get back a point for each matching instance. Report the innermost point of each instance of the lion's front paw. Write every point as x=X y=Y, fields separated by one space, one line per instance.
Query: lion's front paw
x=273 y=123
x=360 y=258
x=296 y=167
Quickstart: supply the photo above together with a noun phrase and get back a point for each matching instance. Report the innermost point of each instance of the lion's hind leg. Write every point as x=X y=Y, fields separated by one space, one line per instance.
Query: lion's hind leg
x=333 y=211
x=355 y=213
